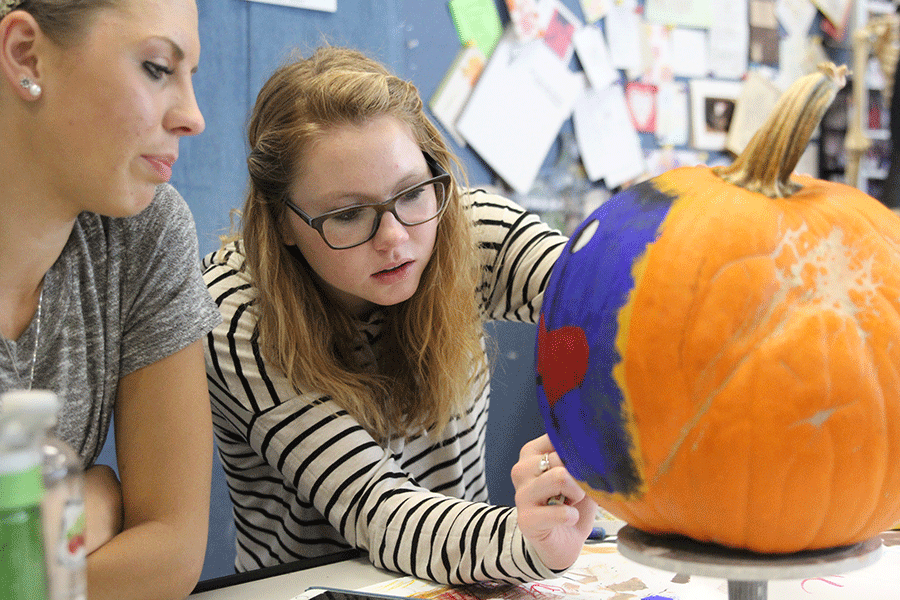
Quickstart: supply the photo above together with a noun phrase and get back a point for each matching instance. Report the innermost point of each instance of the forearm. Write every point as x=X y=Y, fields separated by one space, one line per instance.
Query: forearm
x=151 y=561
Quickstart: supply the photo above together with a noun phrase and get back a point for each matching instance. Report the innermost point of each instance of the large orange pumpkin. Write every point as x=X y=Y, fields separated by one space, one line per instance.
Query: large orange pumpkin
x=719 y=349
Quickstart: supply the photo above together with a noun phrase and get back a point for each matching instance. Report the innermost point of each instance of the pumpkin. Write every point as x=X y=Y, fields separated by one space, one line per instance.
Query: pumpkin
x=718 y=352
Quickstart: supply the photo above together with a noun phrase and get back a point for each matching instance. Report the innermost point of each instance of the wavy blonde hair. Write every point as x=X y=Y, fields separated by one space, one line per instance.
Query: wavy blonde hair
x=433 y=345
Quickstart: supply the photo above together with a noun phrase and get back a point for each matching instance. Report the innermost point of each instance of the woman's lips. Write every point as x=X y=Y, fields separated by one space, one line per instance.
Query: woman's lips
x=393 y=274
x=161 y=165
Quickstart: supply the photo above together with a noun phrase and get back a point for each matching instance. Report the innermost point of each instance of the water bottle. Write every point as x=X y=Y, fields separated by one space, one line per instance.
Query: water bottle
x=62 y=506
x=23 y=573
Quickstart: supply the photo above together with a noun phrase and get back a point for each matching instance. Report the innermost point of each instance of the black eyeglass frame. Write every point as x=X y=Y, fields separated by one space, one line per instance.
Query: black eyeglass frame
x=389 y=205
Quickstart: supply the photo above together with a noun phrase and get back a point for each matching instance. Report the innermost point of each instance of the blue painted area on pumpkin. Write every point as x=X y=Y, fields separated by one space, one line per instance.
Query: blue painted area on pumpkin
x=658 y=597
x=586 y=290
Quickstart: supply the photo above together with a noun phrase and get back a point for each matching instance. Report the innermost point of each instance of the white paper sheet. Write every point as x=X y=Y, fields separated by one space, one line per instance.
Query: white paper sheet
x=610 y=147
x=729 y=37
x=685 y=13
x=623 y=33
x=593 y=53
x=689 y=52
x=673 y=114
x=754 y=104
x=322 y=5
x=456 y=87
x=522 y=99
x=601 y=573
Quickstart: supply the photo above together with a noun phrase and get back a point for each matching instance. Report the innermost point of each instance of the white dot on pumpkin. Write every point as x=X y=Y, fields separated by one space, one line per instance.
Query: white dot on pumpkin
x=585 y=236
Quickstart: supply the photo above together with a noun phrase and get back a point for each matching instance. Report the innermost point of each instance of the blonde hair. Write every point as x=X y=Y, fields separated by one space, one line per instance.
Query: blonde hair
x=433 y=346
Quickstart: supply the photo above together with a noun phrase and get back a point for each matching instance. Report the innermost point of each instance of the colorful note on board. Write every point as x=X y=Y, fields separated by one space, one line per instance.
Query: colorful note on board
x=477 y=21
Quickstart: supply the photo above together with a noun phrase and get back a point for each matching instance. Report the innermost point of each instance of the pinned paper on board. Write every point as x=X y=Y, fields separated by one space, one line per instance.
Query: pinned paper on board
x=754 y=104
x=594 y=10
x=712 y=107
x=623 y=34
x=764 y=33
x=560 y=31
x=525 y=19
x=593 y=54
x=681 y=13
x=610 y=147
x=454 y=90
x=523 y=97
x=320 y=5
x=641 y=101
x=728 y=39
x=672 y=114
x=477 y=21
x=690 y=52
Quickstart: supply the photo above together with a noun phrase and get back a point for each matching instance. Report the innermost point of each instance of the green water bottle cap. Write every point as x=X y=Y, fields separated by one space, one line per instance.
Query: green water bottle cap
x=21 y=480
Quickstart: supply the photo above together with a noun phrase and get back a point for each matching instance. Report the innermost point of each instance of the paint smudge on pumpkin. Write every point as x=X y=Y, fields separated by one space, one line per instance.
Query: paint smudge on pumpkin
x=588 y=408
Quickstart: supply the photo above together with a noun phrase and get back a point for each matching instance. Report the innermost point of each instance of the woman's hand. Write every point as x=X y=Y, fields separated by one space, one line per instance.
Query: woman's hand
x=102 y=505
x=556 y=531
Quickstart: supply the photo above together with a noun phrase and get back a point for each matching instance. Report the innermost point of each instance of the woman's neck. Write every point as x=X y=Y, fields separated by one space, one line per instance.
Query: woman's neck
x=31 y=240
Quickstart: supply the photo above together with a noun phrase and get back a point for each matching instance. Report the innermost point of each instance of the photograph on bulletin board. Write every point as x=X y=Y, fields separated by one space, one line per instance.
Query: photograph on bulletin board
x=712 y=107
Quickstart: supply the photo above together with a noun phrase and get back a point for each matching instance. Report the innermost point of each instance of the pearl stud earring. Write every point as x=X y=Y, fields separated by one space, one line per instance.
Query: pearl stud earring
x=33 y=88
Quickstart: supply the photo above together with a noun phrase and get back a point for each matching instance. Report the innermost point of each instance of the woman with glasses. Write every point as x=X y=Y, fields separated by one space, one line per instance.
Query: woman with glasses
x=348 y=380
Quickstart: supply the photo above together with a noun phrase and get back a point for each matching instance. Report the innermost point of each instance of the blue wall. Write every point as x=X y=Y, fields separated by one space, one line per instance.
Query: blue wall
x=242 y=43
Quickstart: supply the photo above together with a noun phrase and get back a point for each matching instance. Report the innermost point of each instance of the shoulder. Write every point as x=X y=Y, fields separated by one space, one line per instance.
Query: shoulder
x=487 y=207
x=226 y=264
x=229 y=283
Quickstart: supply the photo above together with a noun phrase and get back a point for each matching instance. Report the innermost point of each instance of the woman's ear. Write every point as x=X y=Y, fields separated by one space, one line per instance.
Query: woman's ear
x=19 y=64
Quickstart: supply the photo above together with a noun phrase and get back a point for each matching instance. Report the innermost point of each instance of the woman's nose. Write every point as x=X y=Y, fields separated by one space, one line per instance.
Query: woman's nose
x=390 y=231
x=185 y=118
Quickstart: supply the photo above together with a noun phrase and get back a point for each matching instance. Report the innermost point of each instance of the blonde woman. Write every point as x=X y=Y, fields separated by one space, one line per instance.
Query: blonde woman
x=348 y=379
x=101 y=298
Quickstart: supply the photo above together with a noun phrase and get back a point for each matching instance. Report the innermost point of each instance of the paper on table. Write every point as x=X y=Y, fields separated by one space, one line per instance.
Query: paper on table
x=610 y=147
x=524 y=95
x=593 y=54
x=601 y=573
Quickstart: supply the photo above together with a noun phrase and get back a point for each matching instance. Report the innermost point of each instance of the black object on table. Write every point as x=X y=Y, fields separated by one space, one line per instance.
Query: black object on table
x=265 y=572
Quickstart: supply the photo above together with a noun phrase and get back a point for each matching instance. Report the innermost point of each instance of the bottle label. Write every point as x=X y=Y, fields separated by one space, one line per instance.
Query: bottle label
x=71 y=551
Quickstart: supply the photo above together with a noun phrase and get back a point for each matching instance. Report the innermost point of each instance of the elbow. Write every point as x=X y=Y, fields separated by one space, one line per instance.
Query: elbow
x=186 y=570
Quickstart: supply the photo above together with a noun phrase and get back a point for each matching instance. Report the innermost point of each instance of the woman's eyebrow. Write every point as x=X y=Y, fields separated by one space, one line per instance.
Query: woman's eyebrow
x=176 y=49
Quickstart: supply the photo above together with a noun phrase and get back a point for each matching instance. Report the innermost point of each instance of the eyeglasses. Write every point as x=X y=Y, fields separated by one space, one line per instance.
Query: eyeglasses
x=348 y=227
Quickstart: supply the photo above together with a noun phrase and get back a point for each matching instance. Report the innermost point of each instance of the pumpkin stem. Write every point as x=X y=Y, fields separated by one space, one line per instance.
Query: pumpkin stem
x=766 y=164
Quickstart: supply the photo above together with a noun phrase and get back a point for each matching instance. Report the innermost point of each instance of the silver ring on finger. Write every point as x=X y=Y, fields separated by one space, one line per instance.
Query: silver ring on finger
x=545 y=463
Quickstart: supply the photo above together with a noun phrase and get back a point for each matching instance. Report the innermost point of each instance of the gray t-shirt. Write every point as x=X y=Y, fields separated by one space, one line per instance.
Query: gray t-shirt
x=123 y=294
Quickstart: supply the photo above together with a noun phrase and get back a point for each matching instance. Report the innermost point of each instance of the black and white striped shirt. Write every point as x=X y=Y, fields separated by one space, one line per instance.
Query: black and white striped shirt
x=307 y=480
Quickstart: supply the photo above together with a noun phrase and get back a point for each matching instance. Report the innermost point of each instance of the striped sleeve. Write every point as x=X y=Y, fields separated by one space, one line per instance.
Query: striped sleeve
x=518 y=252
x=305 y=479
